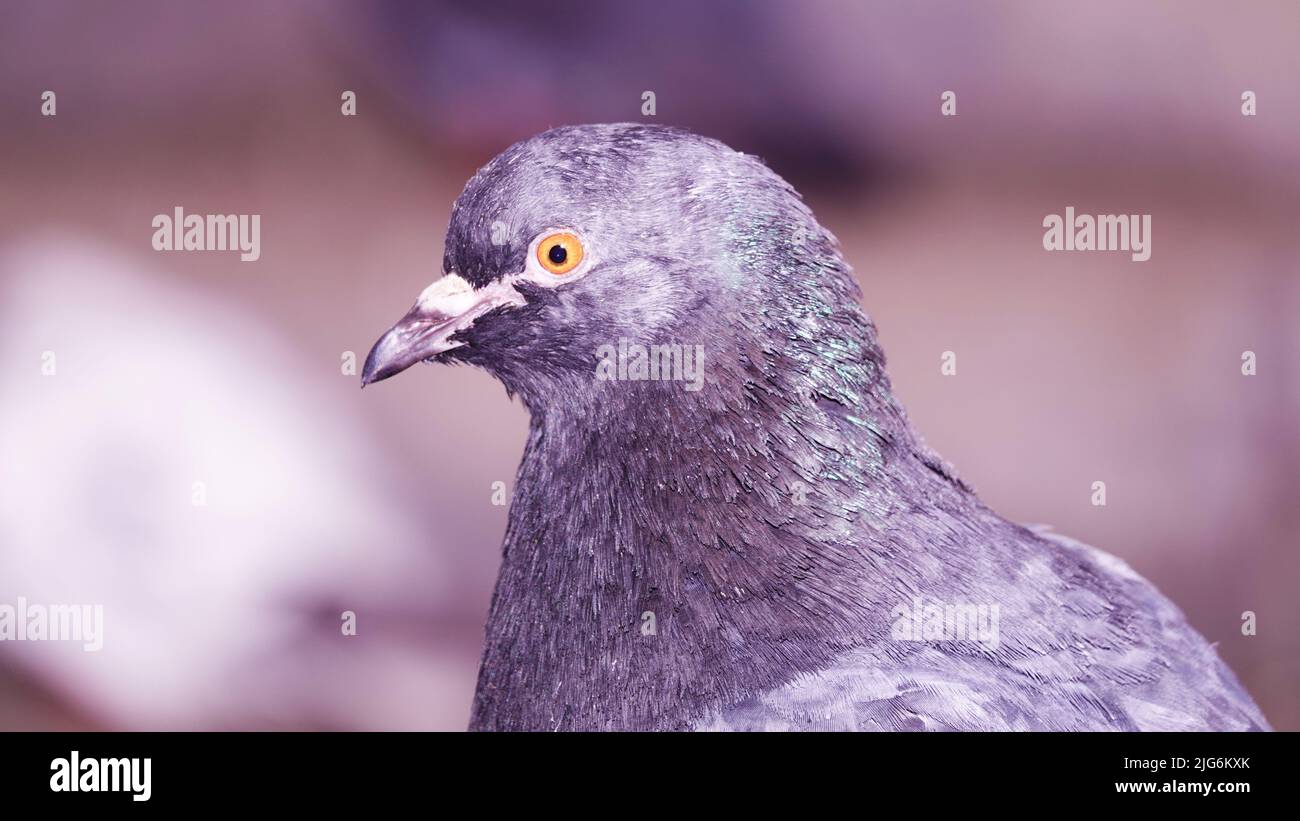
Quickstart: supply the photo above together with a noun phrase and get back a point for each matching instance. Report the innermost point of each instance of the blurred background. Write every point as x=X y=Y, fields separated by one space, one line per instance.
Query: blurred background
x=182 y=368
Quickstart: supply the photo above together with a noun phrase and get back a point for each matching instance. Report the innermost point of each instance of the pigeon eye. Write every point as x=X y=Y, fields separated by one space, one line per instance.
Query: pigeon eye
x=560 y=253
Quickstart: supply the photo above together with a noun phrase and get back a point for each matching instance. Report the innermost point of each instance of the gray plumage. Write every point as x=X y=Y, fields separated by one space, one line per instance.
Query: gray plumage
x=772 y=522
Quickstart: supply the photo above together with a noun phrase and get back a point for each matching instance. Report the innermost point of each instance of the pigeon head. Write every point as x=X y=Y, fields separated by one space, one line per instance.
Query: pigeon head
x=585 y=247
x=586 y=268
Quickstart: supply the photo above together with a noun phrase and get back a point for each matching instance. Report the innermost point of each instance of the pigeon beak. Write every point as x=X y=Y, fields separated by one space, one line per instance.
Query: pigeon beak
x=446 y=307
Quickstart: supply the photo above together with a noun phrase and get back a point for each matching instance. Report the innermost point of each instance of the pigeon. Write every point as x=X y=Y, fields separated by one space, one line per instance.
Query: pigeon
x=723 y=519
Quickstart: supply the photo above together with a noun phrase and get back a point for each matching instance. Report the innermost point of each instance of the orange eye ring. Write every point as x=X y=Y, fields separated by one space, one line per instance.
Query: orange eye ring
x=560 y=252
